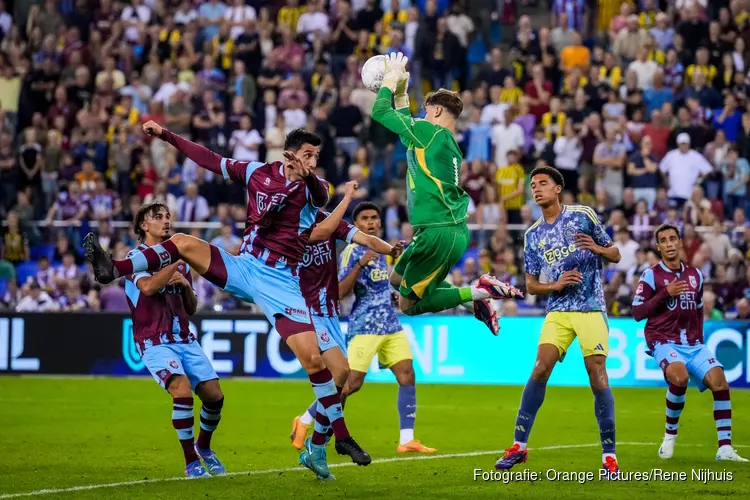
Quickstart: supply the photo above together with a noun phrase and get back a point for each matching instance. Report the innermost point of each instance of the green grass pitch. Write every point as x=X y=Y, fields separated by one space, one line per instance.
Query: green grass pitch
x=75 y=437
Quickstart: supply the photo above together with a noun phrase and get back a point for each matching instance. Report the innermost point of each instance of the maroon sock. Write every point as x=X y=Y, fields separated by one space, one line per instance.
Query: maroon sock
x=674 y=392
x=326 y=392
x=723 y=417
x=150 y=259
x=183 y=421
x=321 y=429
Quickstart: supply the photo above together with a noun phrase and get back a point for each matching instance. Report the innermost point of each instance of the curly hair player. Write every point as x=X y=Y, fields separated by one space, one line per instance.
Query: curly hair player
x=564 y=253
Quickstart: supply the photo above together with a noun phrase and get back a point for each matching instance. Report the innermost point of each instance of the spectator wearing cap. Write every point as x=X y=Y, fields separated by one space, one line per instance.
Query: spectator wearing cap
x=684 y=168
x=736 y=172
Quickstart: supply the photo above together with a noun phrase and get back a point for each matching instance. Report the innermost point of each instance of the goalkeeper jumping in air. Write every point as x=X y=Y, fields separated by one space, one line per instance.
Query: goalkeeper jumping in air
x=436 y=202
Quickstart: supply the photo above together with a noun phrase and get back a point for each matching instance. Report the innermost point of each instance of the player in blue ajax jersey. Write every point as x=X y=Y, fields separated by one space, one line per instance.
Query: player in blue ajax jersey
x=563 y=253
x=375 y=327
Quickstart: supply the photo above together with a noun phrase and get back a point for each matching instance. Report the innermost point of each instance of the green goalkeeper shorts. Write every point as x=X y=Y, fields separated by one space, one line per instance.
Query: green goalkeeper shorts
x=429 y=258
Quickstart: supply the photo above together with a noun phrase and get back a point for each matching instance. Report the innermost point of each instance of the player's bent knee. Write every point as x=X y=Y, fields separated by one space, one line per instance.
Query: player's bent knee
x=179 y=386
x=677 y=374
x=312 y=363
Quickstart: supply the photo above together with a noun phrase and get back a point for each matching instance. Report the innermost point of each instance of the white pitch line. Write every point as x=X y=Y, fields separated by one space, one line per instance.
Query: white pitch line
x=73 y=489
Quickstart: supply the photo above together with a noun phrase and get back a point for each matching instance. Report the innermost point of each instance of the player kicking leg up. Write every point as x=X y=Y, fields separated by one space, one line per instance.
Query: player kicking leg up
x=568 y=245
x=168 y=348
x=283 y=200
x=375 y=325
x=670 y=298
x=437 y=203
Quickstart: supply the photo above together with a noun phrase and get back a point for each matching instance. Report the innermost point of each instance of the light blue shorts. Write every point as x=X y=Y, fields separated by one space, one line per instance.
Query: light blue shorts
x=329 y=333
x=165 y=360
x=274 y=289
x=698 y=359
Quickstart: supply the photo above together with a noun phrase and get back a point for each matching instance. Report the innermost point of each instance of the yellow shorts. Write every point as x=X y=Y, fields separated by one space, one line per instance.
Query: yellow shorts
x=561 y=328
x=390 y=349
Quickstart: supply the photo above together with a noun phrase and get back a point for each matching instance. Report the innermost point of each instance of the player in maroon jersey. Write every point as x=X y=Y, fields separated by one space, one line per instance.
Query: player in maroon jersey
x=283 y=200
x=320 y=287
x=161 y=303
x=670 y=298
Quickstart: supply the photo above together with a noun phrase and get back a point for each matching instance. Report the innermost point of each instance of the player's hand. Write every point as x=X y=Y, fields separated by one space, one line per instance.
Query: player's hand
x=178 y=279
x=152 y=128
x=395 y=71
x=677 y=287
x=572 y=277
x=293 y=161
x=350 y=188
x=586 y=242
x=397 y=249
x=368 y=257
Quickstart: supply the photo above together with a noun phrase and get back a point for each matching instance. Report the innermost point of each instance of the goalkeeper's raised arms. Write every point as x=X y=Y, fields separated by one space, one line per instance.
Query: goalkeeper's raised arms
x=396 y=79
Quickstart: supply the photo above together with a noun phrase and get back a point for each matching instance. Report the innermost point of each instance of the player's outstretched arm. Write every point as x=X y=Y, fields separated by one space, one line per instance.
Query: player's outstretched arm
x=199 y=154
x=151 y=284
x=325 y=229
x=377 y=245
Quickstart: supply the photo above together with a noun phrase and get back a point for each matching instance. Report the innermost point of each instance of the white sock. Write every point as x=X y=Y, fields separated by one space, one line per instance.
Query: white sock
x=670 y=436
x=605 y=455
x=306 y=418
x=406 y=435
x=479 y=294
x=521 y=446
x=469 y=306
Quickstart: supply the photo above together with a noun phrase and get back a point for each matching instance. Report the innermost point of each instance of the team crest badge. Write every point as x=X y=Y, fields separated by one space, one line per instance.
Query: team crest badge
x=570 y=231
x=672 y=354
x=640 y=289
x=173 y=363
x=324 y=337
x=693 y=283
x=666 y=282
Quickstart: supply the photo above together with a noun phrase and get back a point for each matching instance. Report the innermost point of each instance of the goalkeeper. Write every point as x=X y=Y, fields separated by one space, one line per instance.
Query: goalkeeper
x=437 y=204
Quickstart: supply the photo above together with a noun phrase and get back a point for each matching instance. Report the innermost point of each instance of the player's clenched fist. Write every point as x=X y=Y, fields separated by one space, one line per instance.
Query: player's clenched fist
x=152 y=128
x=572 y=277
x=350 y=188
x=397 y=249
x=677 y=287
x=368 y=257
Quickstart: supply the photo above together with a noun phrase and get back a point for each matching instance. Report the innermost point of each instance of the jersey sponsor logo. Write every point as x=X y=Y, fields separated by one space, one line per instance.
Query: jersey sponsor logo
x=291 y=311
x=164 y=258
x=686 y=302
x=378 y=275
x=556 y=254
x=693 y=282
x=266 y=203
x=317 y=254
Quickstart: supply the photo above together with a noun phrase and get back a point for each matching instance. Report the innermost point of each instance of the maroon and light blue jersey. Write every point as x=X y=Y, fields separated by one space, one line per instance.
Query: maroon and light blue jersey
x=280 y=213
x=677 y=320
x=160 y=318
x=318 y=273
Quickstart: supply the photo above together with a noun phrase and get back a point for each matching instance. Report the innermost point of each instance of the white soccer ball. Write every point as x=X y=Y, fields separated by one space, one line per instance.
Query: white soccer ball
x=373 y=72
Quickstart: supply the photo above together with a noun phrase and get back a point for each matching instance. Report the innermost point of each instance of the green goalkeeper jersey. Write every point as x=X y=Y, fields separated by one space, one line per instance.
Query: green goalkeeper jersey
x=434 y=194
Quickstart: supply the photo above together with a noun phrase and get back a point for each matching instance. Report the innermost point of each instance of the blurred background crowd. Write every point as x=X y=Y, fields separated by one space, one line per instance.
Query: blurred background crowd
x=642 y=105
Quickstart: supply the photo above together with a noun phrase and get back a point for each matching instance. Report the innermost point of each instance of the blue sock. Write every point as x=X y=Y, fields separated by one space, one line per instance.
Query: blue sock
x=531 y=401
x=604 y=409
x=407 y=406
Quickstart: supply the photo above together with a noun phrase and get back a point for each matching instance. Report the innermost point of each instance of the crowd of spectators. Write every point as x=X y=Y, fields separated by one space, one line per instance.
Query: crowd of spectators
x=642 y=105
